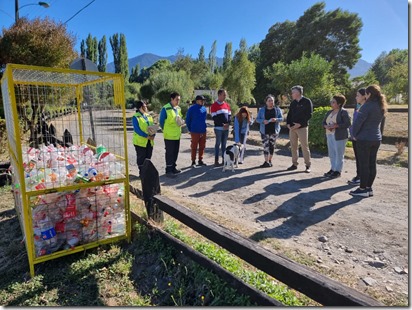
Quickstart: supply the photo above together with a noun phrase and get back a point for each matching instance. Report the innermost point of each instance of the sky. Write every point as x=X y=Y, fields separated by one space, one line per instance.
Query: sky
x=162 y=27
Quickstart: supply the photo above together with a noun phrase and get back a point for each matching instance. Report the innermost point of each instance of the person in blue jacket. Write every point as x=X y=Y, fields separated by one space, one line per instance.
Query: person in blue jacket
x=196 y=124
x=242 y=123
x=269 y=118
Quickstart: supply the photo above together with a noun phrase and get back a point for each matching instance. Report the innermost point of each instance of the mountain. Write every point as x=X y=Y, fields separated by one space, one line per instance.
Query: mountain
x=361 y=67
x=148 y=59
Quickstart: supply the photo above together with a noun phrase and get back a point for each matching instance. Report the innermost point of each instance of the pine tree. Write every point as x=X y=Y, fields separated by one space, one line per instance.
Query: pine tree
x=95 y=51
x=114 y=43
x=201 y=57
x=124 y=59
x=90 y=48
x=102 y=55
x=134 y=76
x=227 y=58
x=212 y=57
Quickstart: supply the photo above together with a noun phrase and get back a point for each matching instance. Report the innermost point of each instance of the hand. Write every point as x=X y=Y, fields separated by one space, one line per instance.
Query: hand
x=225 y=126
x=296 y=126
x=151 y=137
x=273 y=120
x=265 y=122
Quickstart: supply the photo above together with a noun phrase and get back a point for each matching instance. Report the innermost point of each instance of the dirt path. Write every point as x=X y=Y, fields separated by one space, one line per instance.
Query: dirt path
x=288 y=212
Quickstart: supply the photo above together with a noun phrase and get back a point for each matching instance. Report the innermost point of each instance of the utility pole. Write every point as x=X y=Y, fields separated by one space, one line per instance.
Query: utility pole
x=16 y=10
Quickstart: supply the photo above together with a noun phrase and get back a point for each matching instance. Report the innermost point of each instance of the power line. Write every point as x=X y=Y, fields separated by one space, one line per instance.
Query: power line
x=78 y=12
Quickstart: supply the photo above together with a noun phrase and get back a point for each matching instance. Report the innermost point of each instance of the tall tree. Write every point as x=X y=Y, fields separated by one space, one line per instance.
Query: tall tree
x=95 y=50
x=227 y=58
x=124 y=59
x=243 y=46
x=134 y=75
x=91 y=48
x=240 y=77
x=254 y=54
x=212 y=57
x=82 y=49
x=102 y=55
x=201 y=57
x=115 y=44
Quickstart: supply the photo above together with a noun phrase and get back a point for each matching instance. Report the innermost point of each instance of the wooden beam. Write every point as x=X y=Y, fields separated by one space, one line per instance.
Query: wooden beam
x=301 y=278
x=255 y=295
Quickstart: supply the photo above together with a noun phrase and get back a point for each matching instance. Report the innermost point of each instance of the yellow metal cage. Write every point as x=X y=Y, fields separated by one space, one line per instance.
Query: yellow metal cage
x=67 y=142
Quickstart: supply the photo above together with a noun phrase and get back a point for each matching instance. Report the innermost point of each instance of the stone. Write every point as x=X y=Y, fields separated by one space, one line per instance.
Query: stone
x=376 y=264
x=378 y=251
x=405 y=270
x=319 y=260
x=329 y=253
x=323 y=239
x=256 y=212
x=398 y=270
x=348 y=250
x=389 y=289
x=369 y=281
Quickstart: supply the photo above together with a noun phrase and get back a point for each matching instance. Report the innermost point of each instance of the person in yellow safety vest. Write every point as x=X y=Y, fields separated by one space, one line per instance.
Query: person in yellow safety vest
x=143 y=142
x=170 y=121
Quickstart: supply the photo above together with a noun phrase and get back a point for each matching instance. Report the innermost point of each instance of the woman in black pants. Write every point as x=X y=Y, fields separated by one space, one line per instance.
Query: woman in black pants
x=367 y=133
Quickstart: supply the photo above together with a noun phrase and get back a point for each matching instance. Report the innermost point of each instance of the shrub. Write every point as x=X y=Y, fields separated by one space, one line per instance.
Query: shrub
x=317 y=138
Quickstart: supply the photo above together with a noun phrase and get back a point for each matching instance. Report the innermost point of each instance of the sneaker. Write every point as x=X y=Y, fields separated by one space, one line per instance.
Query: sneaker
x=240 y=162
x=370 y=191
x=193 y=164
x=265 y=165
x=270 y=164
x=335 y=174
x=176 y=171
x=216 y=163
x=293 y=167
x=170 y=174
x=201 y=163
x=307 y=170
x=329 y=173
x=360 y=192
x=354 y=181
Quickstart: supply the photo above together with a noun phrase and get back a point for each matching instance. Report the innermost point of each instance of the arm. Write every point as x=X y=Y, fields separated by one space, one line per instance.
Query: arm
x=279 y=115
x=360 y=119
x=345 y=123
x=229 y=117
x=162 y=118
x=236 y=130
x=308 y=112
x=189 y=120
x=260 y=116
x=213 y=111
x=137 y=129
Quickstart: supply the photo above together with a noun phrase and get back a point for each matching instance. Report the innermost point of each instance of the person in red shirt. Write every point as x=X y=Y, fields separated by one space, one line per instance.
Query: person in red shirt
x=221 y=115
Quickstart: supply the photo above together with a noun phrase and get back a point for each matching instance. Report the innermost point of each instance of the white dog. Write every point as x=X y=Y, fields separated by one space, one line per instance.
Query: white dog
x=231 y=157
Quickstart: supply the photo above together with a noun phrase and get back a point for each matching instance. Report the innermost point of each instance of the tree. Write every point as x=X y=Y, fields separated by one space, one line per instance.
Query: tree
x=91 y=48
x=134 y=75
x=102 y=54
x=82 y=49
x=39 y=42
x=254 y=54
x=201 y=57
x=120 y=58
x=243 y=46
x=313 y=72
x=95 y=50
x=333 y=35
x=227 y=58
x=212 y=57
x=160 y=65
x=240 y=77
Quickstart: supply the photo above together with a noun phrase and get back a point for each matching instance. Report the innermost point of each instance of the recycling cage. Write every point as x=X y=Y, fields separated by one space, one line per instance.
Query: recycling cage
x=68 y=151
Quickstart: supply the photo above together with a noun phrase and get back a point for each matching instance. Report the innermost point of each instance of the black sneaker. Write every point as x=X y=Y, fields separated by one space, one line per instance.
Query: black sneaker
x=354 y=181
x=201 y=163
x=335 y=174
x=176 y=171
x=265 y=165
x=293 y=167
x=307 y=170
x=193 y=164
x=360 y=192
x=329 y=173
x=370 y=191
x=270 y=164
x=170 y=174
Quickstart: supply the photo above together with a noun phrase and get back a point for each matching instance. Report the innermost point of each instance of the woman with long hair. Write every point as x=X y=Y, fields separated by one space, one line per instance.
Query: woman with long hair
x=336 y=123
x=360 y=100
x=269 y=118
x=367 y=133
x=242 y=123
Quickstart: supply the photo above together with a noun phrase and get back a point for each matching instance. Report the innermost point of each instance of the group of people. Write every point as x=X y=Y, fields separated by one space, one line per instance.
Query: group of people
x=365 y=132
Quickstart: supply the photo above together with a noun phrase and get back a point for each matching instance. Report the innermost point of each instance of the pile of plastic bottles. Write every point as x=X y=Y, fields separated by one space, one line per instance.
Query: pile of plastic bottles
x=63 y=220
x=66 y=219
x=51 y=166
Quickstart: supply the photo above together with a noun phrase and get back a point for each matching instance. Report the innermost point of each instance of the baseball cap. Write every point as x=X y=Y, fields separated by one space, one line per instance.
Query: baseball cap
x=199 y=97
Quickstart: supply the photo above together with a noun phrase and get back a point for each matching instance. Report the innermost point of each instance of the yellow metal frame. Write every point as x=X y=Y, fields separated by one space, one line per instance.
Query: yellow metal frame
x=119 y=100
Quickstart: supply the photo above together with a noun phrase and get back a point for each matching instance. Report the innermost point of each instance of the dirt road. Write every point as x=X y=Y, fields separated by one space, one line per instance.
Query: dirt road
x=366 y=239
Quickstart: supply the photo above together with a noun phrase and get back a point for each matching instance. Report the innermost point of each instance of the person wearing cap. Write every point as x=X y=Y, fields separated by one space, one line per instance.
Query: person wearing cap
x=196 y=124
x=143 y=141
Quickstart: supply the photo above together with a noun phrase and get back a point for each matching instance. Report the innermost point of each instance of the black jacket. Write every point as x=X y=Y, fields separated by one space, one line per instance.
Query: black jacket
x=343 y=121
x=300 y=112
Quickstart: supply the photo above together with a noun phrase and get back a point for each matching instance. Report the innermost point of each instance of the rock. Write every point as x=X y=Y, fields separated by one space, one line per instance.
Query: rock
x=319 y=260
x=255 y=212
x=398 y=270
x=337 y=262
x=323 y=239
x=376 y=264
x=329 y=253
x=348 y=250
x=369 y=281
x=324 y=266
x=405 y=270
x=389 y=289
x=378 y=251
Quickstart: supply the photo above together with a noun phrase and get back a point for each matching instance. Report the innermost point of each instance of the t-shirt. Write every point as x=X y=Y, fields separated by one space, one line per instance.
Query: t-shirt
x=270 y=127
x=330 y=120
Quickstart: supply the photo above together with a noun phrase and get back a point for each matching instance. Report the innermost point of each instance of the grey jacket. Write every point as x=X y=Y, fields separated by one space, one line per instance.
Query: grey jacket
x=367 y=126
x=343 y=121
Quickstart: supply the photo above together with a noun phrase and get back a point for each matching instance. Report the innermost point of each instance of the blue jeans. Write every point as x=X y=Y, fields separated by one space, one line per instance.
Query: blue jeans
x=336 y=152
x=221 y=139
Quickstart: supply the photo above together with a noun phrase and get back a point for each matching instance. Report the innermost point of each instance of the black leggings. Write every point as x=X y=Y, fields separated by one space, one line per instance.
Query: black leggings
x=367 y=152
x=269 y=143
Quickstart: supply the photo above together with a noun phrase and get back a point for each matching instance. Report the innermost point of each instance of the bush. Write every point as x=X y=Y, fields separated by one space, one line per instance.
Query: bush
x=317 y=138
